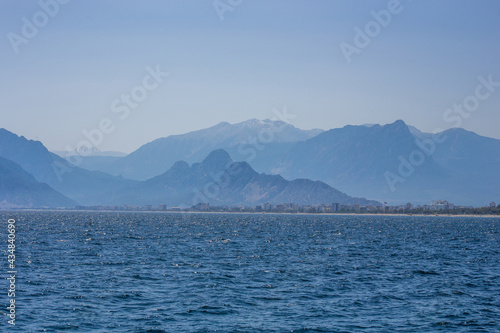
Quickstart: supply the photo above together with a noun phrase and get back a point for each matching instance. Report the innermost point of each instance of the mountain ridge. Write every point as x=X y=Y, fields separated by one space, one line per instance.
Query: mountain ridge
x=82 y=186
x=356 y=159
x=193 y=146
x=365 y=161
x=19 y=189
x=218 y=180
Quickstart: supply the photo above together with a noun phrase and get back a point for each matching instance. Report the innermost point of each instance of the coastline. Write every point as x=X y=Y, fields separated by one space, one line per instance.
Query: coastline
x=246 y=213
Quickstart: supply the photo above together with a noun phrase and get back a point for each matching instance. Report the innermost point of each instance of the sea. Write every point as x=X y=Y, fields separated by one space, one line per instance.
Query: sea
x=186 y=272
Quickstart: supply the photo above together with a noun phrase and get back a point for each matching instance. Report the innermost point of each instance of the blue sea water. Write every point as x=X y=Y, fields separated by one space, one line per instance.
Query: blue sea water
x=165 y=272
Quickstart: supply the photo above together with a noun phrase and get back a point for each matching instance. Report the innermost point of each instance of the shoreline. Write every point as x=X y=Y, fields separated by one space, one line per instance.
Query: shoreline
x=246 y=213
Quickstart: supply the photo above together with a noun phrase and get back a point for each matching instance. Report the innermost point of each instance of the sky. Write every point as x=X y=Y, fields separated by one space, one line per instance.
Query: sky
x=128 y=72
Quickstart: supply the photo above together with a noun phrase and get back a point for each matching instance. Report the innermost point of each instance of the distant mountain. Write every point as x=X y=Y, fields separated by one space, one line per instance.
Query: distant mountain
x=464 y=168
x=94 y=160
x=353 y=158
x=83 y=186
x=472 y=163
x=155 y=157
x=220 y=181
x=19 y=189
x=396 y=163
x=106 y=164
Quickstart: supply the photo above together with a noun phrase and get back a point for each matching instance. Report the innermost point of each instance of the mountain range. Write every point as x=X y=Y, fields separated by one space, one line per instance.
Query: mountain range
x=83 y=186
x=20 y=189
x=181 y=184
x=396 y=163
x=155 y=157
x=218 y=180
x=367 y=160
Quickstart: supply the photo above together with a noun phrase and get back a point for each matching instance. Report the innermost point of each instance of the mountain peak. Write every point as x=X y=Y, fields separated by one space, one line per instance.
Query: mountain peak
x=222 y=124
x=256 y=123
x=398 y=126
x=218 y=154
x=180 y=166
x=217 y=160
x=398 y=123
x=177 y=171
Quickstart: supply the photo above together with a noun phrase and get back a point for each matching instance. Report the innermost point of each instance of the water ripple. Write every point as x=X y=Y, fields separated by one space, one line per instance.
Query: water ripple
x=145 y=272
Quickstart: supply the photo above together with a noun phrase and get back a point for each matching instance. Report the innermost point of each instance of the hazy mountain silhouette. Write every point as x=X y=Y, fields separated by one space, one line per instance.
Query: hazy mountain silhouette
x=220 y=181
x=461 y=167
x=83 y=186
x=157 y=156
x=20 y=189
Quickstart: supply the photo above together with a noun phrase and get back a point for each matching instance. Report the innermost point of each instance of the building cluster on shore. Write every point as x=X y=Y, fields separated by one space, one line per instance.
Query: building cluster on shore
x=439 y=206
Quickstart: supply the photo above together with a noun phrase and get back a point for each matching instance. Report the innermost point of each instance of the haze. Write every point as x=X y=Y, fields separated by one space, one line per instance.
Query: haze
x=241 y=63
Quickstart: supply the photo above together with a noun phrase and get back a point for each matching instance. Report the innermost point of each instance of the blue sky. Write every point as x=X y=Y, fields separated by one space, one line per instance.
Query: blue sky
x=263 y=55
